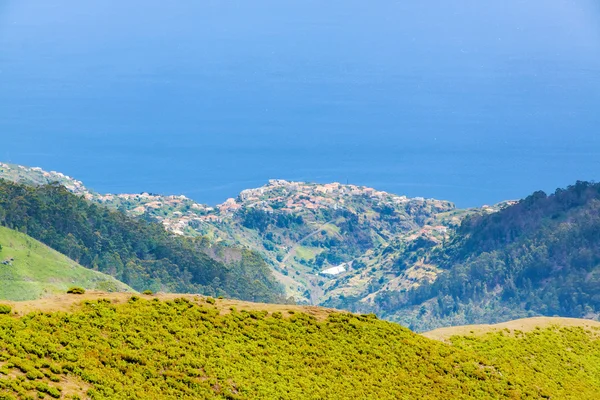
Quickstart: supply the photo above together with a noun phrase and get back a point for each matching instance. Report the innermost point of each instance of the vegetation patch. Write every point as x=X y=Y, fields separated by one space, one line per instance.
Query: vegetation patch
x=33 y=270
x=307 y=253
x=154 y=349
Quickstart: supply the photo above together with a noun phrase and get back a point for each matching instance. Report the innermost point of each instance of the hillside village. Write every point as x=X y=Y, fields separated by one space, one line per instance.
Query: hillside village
x=176 y=212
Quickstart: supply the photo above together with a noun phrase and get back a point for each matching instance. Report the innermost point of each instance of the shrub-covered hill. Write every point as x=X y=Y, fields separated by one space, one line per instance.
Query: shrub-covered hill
x=30 y=270
x=139 y=253
x=540 y=256
x=186 y=348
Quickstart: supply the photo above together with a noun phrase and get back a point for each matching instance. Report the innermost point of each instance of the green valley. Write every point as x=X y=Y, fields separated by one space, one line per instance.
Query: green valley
x=540 y=256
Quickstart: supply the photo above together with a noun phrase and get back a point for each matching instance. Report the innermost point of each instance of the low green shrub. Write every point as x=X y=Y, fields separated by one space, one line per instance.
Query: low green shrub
x=148 y=292
x=5 y=309
x=76 y=290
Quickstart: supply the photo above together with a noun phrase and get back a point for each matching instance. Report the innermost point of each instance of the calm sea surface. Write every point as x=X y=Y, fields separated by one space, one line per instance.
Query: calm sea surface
x=471 y=101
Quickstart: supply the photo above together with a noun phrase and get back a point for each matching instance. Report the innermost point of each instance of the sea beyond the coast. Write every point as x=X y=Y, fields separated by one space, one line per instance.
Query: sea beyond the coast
x=473 y=102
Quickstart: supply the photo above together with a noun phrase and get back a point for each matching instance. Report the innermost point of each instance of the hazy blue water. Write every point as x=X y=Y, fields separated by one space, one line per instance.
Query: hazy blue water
x=471 y=101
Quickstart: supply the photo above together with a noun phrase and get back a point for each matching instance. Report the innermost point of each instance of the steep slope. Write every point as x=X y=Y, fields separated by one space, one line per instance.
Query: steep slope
x=31 y=270
x=538 y=257
x=190 y=348
x=140 y=253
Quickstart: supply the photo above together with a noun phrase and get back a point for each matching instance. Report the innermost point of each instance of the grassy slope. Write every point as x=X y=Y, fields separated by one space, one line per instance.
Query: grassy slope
x=166 y=348
x=562 y=361
x=38 y=271
x=522 y=325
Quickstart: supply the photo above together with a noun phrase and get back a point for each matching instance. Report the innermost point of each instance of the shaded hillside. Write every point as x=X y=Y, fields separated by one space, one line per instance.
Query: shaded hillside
x=140 y=253
x=30 y=270
x=538 y=257
x=188 y=349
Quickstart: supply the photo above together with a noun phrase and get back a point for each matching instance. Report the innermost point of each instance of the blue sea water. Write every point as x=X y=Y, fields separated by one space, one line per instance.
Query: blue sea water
x=471 y=101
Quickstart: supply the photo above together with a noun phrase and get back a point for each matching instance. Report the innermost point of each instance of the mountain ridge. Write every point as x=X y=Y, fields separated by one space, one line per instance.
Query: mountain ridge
x=540 y=256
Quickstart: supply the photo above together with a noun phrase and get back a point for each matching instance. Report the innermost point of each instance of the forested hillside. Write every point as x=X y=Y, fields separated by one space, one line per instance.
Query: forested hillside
x=192 y=348
x=140 y=253
x=538 y=257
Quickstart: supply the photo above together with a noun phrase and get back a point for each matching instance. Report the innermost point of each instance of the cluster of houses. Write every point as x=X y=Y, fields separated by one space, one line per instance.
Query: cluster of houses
x=179 y=212
x=296 y=196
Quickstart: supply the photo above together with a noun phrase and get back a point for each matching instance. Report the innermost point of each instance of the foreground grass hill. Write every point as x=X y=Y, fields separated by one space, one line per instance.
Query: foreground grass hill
x=127 y=347
x=31 y=270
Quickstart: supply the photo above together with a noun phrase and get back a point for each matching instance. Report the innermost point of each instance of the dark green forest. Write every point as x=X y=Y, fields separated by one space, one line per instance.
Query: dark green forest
x=540 y=256
x=137 y=252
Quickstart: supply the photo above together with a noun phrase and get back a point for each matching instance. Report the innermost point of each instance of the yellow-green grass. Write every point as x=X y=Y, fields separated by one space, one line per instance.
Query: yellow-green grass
x=562 y=361
x=38 y=271
x=71 y=303
x=307 y=253
x=115 y=346
x=331 y=229
x=519 y=325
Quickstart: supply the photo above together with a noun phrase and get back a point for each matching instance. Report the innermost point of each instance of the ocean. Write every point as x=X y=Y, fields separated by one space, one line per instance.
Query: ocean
x=469 y=101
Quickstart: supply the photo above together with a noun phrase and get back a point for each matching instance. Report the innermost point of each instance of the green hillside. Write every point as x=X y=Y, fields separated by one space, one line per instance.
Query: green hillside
x=37 y=271
x=150 y=349
x=540 y=256
x=137 y=252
